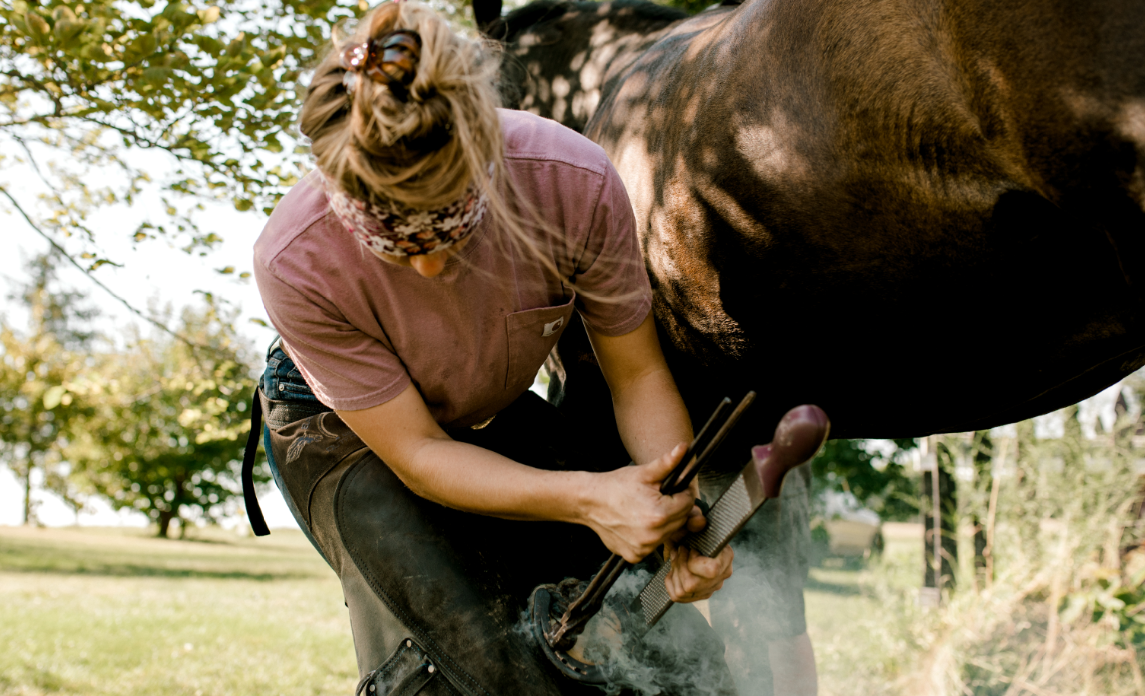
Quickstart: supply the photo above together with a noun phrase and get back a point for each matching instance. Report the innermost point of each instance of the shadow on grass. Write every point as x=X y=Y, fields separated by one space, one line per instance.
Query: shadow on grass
x=57 y=560
x=126 y=570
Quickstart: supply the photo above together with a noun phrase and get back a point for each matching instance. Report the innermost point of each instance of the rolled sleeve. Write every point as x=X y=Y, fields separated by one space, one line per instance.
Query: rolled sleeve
x=346 y=368
x=611 y=277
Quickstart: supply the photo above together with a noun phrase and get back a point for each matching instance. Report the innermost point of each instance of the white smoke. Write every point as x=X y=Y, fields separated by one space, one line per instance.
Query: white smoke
x=680 y=656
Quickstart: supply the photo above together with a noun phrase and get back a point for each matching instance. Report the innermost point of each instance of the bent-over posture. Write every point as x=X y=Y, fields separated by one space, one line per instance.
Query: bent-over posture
x=418 y=279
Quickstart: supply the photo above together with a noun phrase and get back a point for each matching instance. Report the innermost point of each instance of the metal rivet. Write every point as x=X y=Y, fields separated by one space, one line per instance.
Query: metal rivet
x=431 y=669
x=409 y=643
x=282 y=387
x=373 y=688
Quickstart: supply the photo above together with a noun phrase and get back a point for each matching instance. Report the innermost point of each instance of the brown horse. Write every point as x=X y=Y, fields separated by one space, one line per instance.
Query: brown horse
x=922 y=215
x=561 y=55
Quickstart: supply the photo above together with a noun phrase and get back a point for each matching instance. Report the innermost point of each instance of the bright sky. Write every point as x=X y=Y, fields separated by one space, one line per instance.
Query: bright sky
x=154 y=271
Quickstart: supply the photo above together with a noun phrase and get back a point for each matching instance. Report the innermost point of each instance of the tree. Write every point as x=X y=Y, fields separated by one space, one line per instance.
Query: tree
x=36 y=408
x=168 y=432
x=213 y=86
x=849 y=465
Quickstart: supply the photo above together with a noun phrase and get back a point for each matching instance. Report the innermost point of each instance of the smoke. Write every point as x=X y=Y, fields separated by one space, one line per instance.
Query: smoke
x=763 y=600
x=745 y=622
x=680 y=656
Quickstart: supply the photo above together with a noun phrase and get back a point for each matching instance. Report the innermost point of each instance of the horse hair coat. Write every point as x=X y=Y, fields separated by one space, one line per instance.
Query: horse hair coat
x=922 y=215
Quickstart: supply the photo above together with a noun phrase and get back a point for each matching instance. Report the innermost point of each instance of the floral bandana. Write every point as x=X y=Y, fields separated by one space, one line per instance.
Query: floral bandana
x=386 y=229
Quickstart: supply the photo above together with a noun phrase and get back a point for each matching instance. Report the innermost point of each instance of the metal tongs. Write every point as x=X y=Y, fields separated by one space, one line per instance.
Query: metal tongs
x=583 y=608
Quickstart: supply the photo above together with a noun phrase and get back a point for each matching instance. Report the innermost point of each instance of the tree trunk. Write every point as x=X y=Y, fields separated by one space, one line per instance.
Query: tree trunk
x=29 y=517
x=165 y=517
x=939 y=503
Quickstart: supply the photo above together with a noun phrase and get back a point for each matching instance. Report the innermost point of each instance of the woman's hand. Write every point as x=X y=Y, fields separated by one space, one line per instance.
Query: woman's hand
x=625 y=508
x=633 y=519
x=694 y=577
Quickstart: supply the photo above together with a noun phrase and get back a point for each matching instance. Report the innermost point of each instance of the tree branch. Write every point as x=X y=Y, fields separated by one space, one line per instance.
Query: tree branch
x=31 y=158
x=162 y=327
x=27 y=121
x=40 y=87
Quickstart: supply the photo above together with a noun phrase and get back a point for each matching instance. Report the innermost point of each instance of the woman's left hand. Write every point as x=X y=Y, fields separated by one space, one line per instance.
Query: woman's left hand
x=694 y=577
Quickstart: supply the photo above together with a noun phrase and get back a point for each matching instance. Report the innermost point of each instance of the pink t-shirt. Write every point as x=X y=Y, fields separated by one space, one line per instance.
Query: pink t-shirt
x=471 y=339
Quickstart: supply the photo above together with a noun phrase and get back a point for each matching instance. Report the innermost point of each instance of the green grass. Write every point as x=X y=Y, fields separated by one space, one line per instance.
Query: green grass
x=99 y=611
x=858 y=616
x=116 y=612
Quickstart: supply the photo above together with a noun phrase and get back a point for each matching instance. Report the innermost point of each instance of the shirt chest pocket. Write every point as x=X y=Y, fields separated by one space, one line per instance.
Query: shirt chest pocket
x=531 y=334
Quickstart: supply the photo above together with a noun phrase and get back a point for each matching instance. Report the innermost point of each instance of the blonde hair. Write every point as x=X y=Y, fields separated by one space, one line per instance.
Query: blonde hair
x=423 y=151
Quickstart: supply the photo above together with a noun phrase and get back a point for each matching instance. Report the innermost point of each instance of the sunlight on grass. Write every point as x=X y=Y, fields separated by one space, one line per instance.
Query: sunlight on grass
x=858 y=617
x=115 y=612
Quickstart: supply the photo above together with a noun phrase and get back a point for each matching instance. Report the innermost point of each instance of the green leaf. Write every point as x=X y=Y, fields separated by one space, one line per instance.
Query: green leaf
x=208 y=45
x=156 y=77
x=52 y=396
x=273 y=58
x=63 y=13
x=104 y=262
x=38 y=27
x=235 y=47
x=67 y=30
x=144 y=45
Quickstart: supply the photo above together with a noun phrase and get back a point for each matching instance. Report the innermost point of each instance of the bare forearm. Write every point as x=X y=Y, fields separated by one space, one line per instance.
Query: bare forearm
x=473 y=479
x=649 y=411
x=651 y=415
x=624 y=507
x=793 y=666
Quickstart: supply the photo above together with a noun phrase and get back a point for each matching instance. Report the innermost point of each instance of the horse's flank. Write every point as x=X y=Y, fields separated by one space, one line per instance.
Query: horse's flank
x=858 y=202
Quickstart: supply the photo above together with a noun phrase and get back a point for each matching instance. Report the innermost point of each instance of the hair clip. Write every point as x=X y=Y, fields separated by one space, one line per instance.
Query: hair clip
x=391 y=61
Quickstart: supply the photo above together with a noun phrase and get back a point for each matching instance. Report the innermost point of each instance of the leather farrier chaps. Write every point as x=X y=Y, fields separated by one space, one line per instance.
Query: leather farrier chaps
x=437 y=596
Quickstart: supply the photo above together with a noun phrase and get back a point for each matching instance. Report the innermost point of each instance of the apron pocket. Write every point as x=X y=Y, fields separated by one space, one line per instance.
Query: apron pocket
x=407 y=672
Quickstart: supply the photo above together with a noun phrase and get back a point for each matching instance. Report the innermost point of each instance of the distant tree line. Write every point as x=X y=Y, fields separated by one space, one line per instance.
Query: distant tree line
x=145 y=422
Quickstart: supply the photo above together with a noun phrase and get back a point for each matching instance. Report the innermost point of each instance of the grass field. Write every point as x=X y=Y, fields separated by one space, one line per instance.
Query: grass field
x=857 y=613
x=95 y=611
x=87 y=611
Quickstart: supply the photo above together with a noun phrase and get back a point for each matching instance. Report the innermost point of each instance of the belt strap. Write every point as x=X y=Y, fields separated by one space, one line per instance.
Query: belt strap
x=253 y=511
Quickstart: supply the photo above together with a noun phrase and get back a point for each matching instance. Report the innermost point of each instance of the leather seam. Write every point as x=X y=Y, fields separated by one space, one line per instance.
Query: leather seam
x=316 y=480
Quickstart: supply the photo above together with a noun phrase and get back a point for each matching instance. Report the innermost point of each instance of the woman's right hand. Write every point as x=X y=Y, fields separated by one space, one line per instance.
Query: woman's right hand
x=626 y=509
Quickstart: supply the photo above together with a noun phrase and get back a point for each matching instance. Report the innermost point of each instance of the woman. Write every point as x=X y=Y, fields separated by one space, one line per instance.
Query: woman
x=418 y=280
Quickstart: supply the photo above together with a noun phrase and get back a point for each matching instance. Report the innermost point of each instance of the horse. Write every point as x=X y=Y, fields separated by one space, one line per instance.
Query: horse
x=560 y=54
x=922 y=215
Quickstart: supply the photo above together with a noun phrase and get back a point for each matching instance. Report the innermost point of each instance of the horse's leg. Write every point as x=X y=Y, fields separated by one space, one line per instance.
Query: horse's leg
x=759 y=614
x=577 y=388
